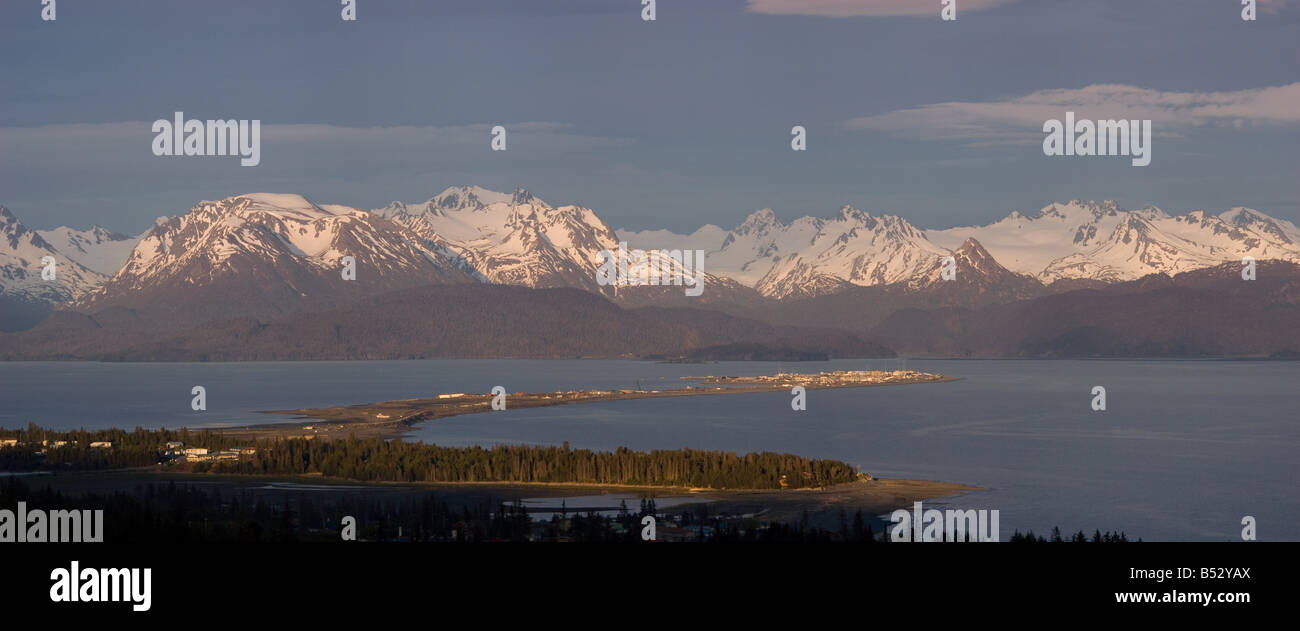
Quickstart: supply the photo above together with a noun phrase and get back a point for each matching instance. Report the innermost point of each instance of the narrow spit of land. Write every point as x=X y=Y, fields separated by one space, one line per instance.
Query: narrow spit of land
x=393 y=419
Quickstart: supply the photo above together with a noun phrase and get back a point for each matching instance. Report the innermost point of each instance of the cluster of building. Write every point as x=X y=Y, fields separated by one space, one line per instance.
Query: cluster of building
x=836 y=378
x=669 y=527
x=178 y=451
x=586 y=394
x=55 y=444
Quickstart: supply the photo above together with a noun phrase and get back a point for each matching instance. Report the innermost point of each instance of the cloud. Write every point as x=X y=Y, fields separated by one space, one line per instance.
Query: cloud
x=125 y=146
x=868 y=8
x=1020 y=119
x=106 y=173
x=1271 y=6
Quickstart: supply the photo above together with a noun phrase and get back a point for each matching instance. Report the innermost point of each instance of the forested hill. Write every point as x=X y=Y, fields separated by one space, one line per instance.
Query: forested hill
x=379 y=460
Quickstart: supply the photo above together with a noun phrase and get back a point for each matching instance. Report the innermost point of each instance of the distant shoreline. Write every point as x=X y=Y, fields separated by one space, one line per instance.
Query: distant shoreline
x=396 y=419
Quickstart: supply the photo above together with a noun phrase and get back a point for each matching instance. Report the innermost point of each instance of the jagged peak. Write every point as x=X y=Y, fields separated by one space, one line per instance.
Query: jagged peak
x=1151 y=211
x=1104 y=206
x=758 y=221
x=15 y=228
x=1092 y=207
x=462 y=197
x=96 y=230
x=1242 y=216
x=522 y=196
x=849 y=213
x=275 y=201
x=972 y=250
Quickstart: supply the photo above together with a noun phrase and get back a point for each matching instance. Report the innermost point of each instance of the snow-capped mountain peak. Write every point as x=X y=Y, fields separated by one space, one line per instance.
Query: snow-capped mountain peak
x=759 y=222
x=468 y=197
x=97 y=248
x=271 y=244
x=23 y=254
x=469 y=233
x=512 y=238
x=855 y=248
x=1102 y=241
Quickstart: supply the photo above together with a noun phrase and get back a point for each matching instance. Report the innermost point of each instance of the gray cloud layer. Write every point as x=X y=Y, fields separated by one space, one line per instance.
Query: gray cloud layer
x=1020 y=119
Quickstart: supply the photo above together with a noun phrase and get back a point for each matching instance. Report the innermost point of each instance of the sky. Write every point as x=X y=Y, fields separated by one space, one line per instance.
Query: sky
x=671 y=123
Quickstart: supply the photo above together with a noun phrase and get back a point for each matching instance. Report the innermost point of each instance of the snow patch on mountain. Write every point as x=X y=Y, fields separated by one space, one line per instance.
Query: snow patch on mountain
x=98 y=248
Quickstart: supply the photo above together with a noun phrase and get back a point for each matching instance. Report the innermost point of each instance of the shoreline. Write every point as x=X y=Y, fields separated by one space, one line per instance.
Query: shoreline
x=873 y=497
x=396 y=419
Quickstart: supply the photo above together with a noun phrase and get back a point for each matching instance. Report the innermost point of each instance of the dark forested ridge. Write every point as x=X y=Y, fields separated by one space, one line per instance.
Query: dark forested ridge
x=397 y=461
x=437 y=321
x=377 y=459
x=1208 y=312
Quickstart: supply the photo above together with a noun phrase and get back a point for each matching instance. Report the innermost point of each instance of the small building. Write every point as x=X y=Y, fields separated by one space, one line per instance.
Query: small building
x=101 y=444
x=175 y=444
x=196 y=451
x=451 y=395
x=8 y=442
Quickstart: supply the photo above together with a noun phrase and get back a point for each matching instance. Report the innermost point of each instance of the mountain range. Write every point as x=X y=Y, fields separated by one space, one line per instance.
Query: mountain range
x=263 y=260
x=1073 y=241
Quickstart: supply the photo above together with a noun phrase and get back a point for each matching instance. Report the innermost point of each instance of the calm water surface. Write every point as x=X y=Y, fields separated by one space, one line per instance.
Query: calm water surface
x=1184 y=450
